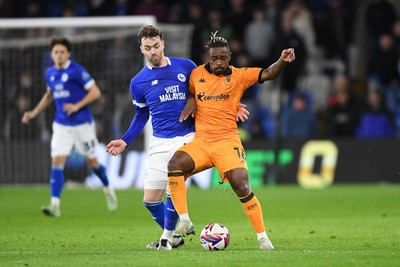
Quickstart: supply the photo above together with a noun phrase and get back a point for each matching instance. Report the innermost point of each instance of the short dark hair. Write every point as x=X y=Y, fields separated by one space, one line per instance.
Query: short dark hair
x=149 y=31
x=216 y=41
x=62 y=41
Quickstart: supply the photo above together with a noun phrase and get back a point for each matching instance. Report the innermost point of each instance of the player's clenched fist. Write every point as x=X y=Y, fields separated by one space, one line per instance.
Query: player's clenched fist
x=288 y=55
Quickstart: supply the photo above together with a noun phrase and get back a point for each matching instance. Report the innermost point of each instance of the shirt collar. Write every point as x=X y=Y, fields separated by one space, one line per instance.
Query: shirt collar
x=66 y=65
x=228 y=70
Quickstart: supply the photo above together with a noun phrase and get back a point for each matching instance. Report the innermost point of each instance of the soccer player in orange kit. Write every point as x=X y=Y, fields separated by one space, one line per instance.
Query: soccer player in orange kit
x=218 y=88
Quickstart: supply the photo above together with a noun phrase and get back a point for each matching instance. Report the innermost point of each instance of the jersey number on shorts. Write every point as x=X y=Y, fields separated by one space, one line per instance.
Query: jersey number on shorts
x=241 y=154
x=89 y=145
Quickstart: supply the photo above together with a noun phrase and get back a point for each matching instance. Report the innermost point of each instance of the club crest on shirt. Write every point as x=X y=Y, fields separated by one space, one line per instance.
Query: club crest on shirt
x=64 y=77
x=181 y=77
x=228 y=79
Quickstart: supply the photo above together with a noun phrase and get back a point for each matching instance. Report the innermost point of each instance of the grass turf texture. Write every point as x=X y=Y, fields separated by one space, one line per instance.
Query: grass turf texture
x=344 y=225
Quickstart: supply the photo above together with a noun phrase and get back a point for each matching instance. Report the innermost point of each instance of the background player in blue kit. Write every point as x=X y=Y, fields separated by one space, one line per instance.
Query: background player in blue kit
x=72 y=89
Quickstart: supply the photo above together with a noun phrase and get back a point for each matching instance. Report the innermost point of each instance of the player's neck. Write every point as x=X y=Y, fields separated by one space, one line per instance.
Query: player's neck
x=62 y=65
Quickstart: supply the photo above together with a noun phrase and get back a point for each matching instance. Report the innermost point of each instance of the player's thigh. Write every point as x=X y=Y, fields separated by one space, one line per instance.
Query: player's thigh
x=156 y=175
x=200 y=154
x=62 y=140
x=159 y=153
x=229 y=155
x=85 y=139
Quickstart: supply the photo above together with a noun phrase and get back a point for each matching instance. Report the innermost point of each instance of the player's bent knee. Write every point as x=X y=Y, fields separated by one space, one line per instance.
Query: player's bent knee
x=241 y=188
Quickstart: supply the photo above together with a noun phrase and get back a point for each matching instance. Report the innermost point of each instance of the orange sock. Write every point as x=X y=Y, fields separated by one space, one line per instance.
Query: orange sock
x=177 y=188
x=253 y=211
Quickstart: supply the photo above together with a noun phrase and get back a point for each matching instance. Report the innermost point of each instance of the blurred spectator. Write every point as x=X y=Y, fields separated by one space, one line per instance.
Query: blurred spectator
x=384 y=63
x=20 y=101
x=196 y=16
x=396 y=36
x=258 y=38
x=298 y=121
x=287 y=37
x=335 y=26
x=380 y=16
x=375 y=120
x=302 y=23
x=216 y=23
x=271 y=11
x=261 y=123
x=317 y=83
x=13 y=129
x=342 y=114
x=238 y=16
x=152 y=7
x=174 y=14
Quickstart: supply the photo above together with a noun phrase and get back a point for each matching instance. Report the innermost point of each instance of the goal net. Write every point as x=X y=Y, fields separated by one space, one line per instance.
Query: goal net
x=106 y=46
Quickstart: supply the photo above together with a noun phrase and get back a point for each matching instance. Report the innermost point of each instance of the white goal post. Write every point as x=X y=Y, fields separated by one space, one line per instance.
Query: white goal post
x=69 y=22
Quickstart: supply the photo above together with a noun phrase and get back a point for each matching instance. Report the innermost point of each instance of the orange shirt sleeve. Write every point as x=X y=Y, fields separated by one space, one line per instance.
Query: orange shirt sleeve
x=247 y=76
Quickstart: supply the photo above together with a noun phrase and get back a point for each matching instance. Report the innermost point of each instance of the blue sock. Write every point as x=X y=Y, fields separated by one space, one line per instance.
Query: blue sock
x=171 y=217
x=101 y=173
x=157 y=211
x=56 y=181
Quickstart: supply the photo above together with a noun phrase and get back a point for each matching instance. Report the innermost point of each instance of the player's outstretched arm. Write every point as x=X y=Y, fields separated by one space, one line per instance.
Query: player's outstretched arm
x=116 y=147
x=276 y=68
x=47 y=98
x=189 y=109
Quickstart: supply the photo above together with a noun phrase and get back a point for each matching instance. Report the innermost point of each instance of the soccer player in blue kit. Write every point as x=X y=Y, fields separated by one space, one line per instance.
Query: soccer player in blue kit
x=72 y=89
x=161 y=89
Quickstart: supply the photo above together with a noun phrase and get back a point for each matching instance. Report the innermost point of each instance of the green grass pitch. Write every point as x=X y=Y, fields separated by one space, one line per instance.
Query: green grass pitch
x=343 y=225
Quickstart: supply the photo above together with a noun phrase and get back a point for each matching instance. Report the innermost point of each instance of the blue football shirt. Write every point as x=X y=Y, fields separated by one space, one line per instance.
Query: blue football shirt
x=164 y=91
x=69 y=85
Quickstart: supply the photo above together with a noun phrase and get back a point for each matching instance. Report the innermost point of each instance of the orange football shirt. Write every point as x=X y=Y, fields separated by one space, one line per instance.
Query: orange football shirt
x=217 y=99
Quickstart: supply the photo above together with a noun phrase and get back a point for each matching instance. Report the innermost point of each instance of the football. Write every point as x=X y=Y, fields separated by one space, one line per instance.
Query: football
x=215 y=236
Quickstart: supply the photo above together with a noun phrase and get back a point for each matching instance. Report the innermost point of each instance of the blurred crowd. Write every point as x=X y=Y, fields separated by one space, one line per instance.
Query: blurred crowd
x=345 y=81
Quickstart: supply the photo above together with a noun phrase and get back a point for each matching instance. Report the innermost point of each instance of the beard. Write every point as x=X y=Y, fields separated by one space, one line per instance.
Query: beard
x=155 y=60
